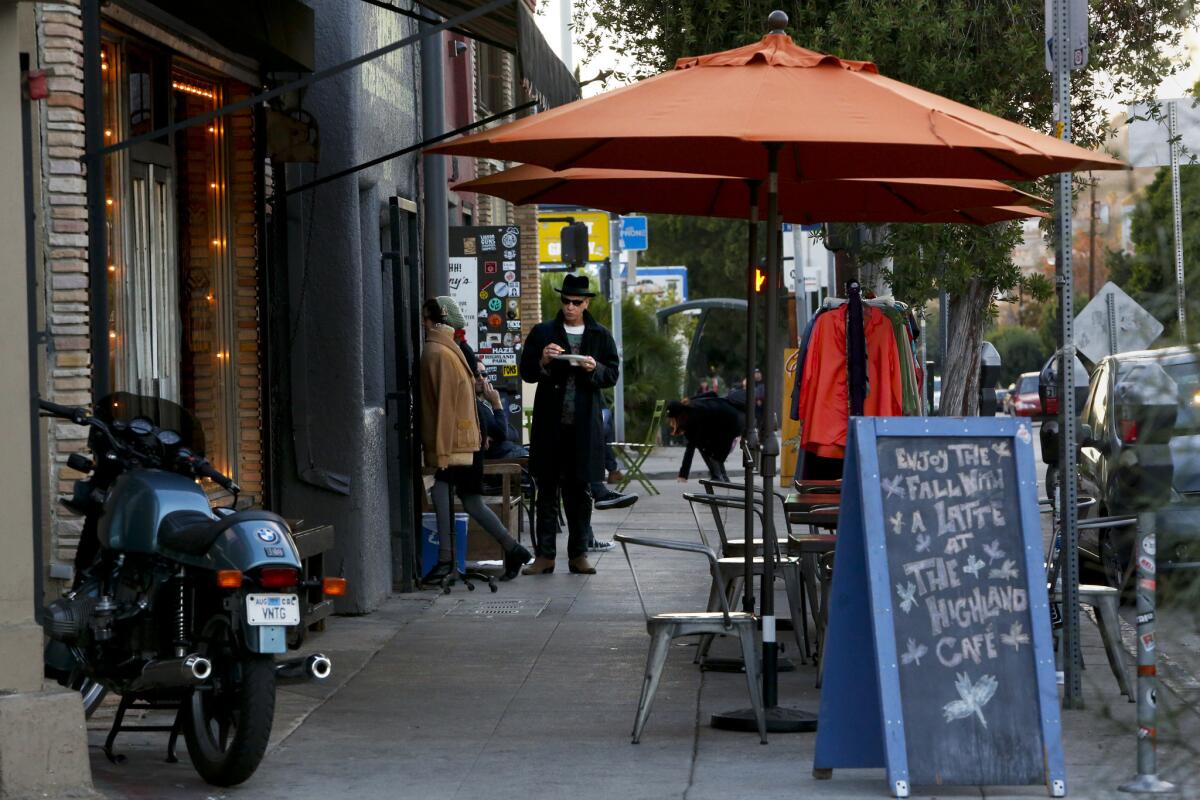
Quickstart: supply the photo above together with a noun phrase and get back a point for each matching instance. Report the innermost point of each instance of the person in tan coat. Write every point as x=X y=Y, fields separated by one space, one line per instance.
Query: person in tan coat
x=451 y=439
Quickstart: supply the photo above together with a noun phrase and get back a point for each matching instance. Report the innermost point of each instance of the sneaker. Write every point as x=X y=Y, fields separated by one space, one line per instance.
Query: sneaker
x=615 y=500
x=597 y=546
x=615 y=477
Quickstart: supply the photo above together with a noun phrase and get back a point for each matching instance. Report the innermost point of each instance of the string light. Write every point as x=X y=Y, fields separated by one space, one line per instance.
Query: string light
x=112 y=267
x=112 y=334
x=192 y=89
x=107 y=133
x=211 y=129
x=108 y=201
x=212 y=185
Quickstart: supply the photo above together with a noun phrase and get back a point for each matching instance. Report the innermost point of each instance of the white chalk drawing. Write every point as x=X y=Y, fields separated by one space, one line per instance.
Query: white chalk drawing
x=1007 y=571
x=973 y=566
x=924 y=540
x=893 y=488
x=1001 y=449
x=1015 y=637
x=914 y=652
x=972 y=698
x=993 y=551
x=897 y=521
x=908 y=597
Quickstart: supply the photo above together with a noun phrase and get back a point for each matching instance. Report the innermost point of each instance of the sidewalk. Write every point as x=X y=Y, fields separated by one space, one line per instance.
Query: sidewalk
x=431 y=700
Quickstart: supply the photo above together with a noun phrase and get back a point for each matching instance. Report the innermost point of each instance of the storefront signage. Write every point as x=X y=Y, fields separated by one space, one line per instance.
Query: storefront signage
x=939 y=663
x=485 y=279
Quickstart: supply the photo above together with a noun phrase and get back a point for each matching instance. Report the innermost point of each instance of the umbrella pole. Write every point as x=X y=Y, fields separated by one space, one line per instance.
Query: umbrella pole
x=779 y=719
x=750 y=429
x=770 y=442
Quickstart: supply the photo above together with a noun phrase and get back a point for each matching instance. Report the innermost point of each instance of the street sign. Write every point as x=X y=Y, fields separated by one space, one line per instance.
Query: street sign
x=1078 y=37
x=635 y=233
x=1135 y=327
x=669 y=283
x=550 y=234
x=1149 y=139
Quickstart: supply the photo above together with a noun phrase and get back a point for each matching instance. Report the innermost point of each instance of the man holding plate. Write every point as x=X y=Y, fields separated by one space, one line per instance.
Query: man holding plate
x=571 y=358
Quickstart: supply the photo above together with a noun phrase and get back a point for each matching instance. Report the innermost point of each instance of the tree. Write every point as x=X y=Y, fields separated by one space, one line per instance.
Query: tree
x=1148 y=275
x=713 y=250
x=1020 y=351
x=986 y=54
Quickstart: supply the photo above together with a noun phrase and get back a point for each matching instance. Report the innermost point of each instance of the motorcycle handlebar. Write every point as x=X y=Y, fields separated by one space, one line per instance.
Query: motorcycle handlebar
x=73 y=413
x=207 y=470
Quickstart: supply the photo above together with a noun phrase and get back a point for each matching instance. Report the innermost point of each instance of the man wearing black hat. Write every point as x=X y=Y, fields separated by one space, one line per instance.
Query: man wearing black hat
x=571 y=358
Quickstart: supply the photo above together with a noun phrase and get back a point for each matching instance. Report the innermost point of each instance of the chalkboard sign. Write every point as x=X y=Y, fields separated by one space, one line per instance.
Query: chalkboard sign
x=939 y=605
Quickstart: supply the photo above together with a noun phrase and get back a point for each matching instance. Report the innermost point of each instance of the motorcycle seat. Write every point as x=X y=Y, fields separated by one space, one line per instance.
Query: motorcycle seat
x=194 y=532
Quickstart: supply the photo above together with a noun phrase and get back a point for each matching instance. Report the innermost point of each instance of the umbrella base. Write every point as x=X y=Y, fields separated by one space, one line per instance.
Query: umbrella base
x=780 y=719
x=734 y=664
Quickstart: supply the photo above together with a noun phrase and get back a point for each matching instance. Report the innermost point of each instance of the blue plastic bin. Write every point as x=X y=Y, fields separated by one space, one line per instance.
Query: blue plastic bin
x=430 y=541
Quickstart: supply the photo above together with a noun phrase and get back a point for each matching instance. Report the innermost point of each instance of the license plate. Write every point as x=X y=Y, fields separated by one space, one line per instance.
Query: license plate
x=273 y=609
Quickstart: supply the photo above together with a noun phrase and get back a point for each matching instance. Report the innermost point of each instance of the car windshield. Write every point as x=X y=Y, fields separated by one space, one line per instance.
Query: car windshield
x=1028 y=384
x=165 y=414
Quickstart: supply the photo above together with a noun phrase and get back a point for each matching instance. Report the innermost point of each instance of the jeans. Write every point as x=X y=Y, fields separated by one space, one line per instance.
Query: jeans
x=576 y=501
x=610 y=458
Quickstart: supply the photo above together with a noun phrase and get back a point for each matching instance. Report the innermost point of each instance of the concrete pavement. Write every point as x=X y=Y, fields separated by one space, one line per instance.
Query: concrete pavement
x=432 y=699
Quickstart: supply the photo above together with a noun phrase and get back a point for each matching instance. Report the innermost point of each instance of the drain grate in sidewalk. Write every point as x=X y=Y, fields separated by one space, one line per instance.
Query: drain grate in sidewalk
x=498 y=608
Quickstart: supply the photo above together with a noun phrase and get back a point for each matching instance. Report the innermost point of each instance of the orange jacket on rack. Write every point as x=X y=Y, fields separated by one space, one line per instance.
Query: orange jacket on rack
x=824 y=397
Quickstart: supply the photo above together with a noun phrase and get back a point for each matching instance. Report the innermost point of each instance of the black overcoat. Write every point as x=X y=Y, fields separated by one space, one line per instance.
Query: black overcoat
x=551 y=383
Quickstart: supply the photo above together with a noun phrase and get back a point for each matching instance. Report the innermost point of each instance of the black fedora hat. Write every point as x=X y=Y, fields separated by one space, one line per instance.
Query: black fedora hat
x=576 y=285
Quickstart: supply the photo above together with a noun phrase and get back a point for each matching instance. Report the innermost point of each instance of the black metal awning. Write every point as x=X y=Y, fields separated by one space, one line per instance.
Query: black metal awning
x=514 y=28
x=278 y=33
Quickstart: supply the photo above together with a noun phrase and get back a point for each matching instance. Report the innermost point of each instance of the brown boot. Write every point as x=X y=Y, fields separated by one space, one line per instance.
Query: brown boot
x=580 y=566
x=540 y=566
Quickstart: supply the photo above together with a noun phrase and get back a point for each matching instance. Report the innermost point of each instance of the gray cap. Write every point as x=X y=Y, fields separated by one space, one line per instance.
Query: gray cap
x=451 y=312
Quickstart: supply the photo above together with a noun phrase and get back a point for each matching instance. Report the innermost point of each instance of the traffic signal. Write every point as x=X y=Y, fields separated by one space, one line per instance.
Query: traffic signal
x=760 y=280
x=574 y=240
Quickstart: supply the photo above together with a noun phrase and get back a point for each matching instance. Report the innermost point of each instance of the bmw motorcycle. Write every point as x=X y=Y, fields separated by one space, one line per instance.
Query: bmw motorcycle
x=176 y=604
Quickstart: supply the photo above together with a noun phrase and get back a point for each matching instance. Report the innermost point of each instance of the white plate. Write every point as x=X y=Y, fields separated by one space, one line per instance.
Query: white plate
x=273 y=609
x=571 y=358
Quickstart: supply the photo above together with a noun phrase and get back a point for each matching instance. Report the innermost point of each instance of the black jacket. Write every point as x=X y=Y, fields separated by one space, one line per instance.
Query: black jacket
x=598 y=343
x=710 y=424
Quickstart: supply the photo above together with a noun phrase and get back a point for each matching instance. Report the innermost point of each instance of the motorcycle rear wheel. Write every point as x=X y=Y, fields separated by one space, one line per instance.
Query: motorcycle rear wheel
x=227 y=722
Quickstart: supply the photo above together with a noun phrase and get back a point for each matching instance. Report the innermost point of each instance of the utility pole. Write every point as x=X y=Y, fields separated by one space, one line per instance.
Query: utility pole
x=1172 y=134
x=1092 y=241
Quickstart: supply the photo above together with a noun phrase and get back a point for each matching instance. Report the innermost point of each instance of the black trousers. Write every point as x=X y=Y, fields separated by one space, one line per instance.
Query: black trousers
x=576 y=501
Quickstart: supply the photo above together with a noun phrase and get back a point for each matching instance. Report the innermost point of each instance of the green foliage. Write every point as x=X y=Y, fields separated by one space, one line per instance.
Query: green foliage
x=653 y=358
x=1149 y=274
x=713 y=250
x=1021 y=350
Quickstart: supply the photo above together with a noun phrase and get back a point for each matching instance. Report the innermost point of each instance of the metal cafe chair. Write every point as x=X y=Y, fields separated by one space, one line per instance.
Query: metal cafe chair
x=1104 y=600
x=787 y=567
x=665 y=627
x=633 y=455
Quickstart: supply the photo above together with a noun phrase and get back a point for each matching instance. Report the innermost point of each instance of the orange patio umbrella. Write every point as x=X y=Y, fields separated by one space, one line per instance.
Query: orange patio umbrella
x=857 y=200
x=833 y=118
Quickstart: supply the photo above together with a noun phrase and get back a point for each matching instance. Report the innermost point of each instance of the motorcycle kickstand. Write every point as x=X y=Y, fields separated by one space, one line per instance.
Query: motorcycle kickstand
x=176 y=729
x=111 y=739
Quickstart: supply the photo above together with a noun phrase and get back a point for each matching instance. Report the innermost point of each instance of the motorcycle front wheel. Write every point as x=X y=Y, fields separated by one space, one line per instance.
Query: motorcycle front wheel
x=227 y=722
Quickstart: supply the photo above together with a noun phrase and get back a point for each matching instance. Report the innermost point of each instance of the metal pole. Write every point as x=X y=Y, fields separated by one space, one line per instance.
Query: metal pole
x=799 y=266
x=1172 y=126
x=1146 y=780
x=93 y=138
x=770 y=441
x=1092 y=242
x=1072 y=657
x=618 y=295
x=1110 y=305
x=750 y=429
x=433 y=122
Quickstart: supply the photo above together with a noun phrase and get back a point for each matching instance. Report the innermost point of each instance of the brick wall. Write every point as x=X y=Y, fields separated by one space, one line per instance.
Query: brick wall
x=62 y=233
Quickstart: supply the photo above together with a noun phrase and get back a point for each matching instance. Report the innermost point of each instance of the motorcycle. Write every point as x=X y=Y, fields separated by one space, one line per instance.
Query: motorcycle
x=175 y=602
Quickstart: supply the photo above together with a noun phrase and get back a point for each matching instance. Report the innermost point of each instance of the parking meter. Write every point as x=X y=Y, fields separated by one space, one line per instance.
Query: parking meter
x=1145 y=402
x=989 y=375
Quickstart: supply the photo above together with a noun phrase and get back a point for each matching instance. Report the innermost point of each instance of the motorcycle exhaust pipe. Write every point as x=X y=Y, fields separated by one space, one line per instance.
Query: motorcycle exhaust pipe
x=303 y=668
x=173 y=673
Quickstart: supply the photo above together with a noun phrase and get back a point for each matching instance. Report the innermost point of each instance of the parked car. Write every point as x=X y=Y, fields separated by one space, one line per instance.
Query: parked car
x=1048 y=385
x=1106 y=434
x=1025 y=402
